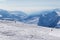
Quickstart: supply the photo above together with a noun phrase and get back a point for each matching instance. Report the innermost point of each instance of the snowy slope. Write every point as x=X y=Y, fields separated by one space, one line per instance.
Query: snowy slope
x=11 y=30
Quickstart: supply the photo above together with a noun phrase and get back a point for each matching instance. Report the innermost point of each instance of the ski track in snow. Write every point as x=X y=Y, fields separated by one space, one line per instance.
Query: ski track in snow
x=20 y=31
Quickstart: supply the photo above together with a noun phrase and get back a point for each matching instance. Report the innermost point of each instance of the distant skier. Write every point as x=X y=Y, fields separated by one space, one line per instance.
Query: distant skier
x=15 y=21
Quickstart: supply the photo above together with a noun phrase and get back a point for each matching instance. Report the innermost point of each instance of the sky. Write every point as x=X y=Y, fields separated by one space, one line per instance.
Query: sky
x=29 y=5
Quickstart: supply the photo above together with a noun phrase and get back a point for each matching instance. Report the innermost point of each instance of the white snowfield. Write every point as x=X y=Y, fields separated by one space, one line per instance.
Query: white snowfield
x=9 y=30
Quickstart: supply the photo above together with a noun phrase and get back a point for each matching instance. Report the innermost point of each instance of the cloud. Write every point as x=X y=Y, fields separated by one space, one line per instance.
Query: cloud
x=28 y=5
x=2 y=0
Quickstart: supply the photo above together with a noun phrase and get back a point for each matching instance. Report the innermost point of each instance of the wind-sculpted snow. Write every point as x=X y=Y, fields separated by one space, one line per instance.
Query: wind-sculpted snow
x=9 y=30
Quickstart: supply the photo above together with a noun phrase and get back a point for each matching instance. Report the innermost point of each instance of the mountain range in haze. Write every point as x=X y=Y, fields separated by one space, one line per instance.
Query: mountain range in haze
x=20 y=16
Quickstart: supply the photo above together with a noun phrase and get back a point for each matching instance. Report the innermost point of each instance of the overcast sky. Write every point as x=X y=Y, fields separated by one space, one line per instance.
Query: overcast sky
x=29 y=5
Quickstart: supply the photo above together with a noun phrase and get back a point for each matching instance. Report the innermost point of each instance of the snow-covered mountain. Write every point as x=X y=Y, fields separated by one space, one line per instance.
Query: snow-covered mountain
x=4 y=14
x=14 y=15
x=50 y=17
x=33 y=18
x=20 y=14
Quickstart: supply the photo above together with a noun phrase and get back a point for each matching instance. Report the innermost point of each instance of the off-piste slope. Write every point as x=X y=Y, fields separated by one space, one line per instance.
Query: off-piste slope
x=11 y=30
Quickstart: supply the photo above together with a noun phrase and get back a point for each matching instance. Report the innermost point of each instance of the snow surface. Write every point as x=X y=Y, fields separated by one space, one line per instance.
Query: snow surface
x=11 y=30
